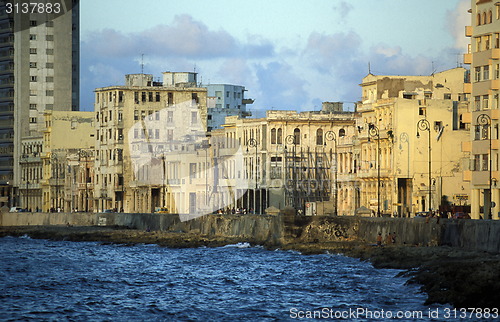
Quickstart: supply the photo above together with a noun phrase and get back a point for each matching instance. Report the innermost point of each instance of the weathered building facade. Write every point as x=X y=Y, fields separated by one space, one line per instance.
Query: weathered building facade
x=484 y=59
x=410 y=132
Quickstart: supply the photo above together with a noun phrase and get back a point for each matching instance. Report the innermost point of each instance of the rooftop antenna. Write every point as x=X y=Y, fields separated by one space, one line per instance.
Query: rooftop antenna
x=369 y=68
x=142 y=64
x=195 y=67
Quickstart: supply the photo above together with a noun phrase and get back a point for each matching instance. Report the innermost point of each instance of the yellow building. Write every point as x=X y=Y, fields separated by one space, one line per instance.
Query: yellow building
x=138 y=126
x=44 y=162
x=288 y=159
x=410 y=132
x=483 y=56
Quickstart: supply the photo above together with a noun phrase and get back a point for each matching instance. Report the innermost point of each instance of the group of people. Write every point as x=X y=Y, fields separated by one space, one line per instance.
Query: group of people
x=234 y=211
x=390 y=238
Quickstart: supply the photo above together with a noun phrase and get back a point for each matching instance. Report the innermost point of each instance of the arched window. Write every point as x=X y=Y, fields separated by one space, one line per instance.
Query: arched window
x=319 y=137
x=490 y=17
x=296 y=136
x=273 y=136
x=478 y=19
x=280 y=136
x=341 y=133
x=484 y=18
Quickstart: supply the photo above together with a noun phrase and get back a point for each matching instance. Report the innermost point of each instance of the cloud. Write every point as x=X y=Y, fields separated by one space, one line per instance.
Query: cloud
x=185 y=37
x=343 y=10
x=280 y=87
x=456 y=22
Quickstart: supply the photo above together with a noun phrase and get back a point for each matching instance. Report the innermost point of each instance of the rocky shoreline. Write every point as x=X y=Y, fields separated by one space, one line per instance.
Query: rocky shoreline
x=448 y=275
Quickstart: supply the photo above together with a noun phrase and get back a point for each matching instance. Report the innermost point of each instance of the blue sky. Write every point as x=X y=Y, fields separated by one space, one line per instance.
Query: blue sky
x=288 y=54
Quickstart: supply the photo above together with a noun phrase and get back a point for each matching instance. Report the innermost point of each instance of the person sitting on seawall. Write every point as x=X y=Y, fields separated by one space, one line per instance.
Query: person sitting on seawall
x=379 y=239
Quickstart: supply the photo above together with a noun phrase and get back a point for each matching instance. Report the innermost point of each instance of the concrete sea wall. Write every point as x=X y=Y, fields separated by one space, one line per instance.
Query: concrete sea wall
x=480 y=235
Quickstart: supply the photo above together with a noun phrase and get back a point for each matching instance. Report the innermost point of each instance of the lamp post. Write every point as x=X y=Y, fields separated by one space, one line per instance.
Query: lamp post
x=253 y=143
x=85 y=154
x=55 y=164
x=485 y=121
x=290 y=139
x=374 y=132
x=424 y=125
x=330 y=136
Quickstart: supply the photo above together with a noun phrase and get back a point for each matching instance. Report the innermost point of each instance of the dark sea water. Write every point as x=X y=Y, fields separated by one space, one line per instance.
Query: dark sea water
x=49 y=281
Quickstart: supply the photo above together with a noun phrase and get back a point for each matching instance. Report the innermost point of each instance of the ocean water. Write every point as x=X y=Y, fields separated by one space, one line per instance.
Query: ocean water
x=87 y=281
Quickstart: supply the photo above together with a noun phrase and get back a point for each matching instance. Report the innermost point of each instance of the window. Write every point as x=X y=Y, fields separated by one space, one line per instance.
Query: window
x=477 y=103
x=341 y=133
x=279 y=137
x=194 y=98
x=120 y=96
x=158 y=97
x=486 y=72
x=49 y=92
x=150 y=96
x=485 y=163
x=136 y=133
x=319 y=137
x=49 y=23
x=136 y=115
x=49 y=37
x=421 y=111
x=33 y=92
x=447 y=96
x=33 y=23
x=296 y=136
x=32 y=106
x=49 y=51
x=218 y=94
x=136 y=97
x=32 y=119
x=49 y=79
x=194 y=118
x=33 y=51
x=170 y=116
x=143 y=96
x=485 y=102
x=477 y=74
x=477 y=162
x=32 y=78
x=273 y=136
x=170 y=98
x=32 y=37
x=227 y=94
x=50 y=65
x=32 y=64
x=157 y=134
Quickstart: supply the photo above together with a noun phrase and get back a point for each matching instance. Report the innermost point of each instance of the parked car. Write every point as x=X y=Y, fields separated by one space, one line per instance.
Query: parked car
x=161 y=210
x=461 y=215
x=16 y=209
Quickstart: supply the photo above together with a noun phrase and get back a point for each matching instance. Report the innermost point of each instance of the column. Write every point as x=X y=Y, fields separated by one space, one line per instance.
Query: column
x=475 y=196
x=495 y=196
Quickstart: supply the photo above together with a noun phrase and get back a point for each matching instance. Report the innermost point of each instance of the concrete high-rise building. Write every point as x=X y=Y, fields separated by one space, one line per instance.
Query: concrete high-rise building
x=484 y=59
x=225 y=100
x=39 y=71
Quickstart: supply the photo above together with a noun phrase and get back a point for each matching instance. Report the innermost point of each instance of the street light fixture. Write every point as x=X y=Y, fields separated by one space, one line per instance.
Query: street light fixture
x=374 y=132
x=85 y=154
x=290 y=139
x=55 y=165
x=485 y=121
x=330 y=136
x=253 y=143
x=424 y=125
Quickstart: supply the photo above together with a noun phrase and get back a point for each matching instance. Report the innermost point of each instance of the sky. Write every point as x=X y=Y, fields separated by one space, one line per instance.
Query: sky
x=290 y=55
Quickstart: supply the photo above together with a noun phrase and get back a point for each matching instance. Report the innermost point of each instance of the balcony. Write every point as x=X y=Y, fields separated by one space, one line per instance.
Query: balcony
x=467 y=59
x=495 y=84
x=495 y=53
x=467 y=88
x=467 y=146
x=468 y=31
x=467 y=175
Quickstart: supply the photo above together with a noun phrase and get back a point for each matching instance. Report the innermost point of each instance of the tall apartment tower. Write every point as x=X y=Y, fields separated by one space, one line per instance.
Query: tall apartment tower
x=484 y=59
x=39 y=71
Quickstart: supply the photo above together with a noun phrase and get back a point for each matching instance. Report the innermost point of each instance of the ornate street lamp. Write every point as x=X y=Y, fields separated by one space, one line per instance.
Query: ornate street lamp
x=253 y=143
x=424 y=125
x=55 y=164
x=330 y=136
x=485 y=121
x=374 y=132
